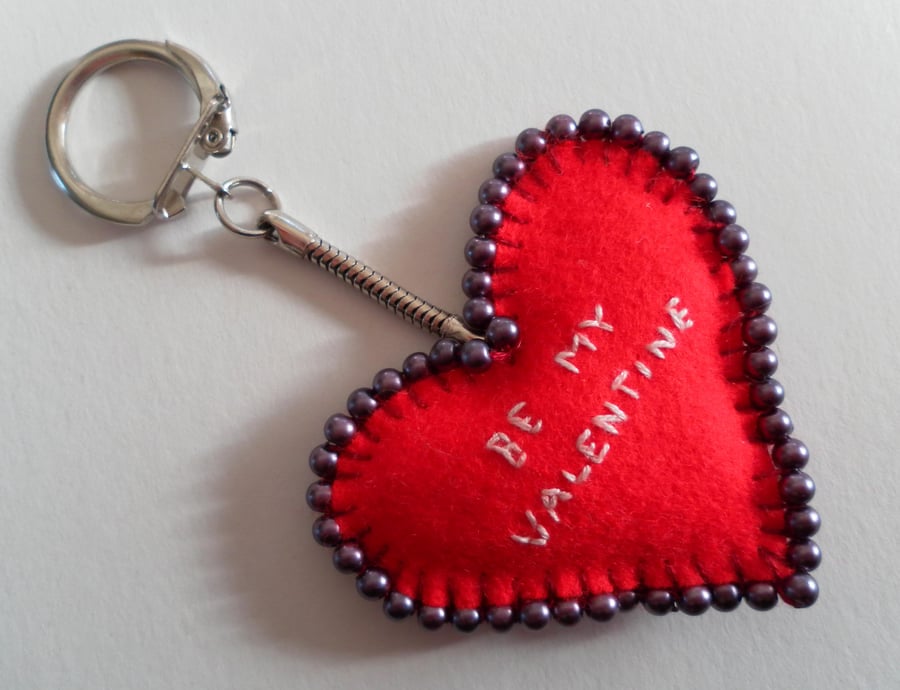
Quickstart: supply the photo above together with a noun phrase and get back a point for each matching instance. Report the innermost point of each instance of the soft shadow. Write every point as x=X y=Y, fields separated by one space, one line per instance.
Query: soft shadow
x=250 y=527
x=283 y=584
x=279 y=584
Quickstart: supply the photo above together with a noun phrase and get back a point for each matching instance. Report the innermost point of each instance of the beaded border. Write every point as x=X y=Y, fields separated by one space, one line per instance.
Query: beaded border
x=500 y=335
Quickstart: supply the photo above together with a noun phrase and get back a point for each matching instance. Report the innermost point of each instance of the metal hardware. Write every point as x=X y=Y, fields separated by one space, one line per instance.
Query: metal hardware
x=224 y=192
x=299 y=240
x=213 y=135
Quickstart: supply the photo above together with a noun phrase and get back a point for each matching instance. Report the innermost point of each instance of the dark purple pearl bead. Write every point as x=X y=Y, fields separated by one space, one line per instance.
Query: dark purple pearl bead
x=475 y=355
x=732 y=240
x=485 y=220
x=373 y=584
x=796 y=489
x=790 y=454
x=501 y=618
x=800 y=523
x=494 y=191
x=531 y=143
x=765 y=395
x=386 y=383
x=480 y=252
x=326 y=531
x=415 y=367
x=466 y=620
x=658 y=601
x=562 y=127
x=800 y=590
x=627 y=130
x=759 y=330
x=656 y=144
x=340 y=429
x=443 y=355
x=399 y=606
x=502 y=334
x=755 y=298
x=775 y=425
x=628 y=599
x=682 y=161
x=432 y=617
x=535 y=614
x=508 y=167
x=760 y=364
x=318 y=496
x=721 y=212
x=361 y=404
x=477 y=283
x=704 y=187
x=761 y=596
x=726 y=597
x=744 y=270
x=695 y=600
x=803 y=554
x=594 y=124
x=478 y=313
x=603 y=607
x=323 y=462
x=348 y=558
x=567 y=612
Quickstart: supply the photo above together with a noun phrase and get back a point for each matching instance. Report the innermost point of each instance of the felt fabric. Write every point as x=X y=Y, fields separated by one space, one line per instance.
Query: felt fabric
x=685 y=493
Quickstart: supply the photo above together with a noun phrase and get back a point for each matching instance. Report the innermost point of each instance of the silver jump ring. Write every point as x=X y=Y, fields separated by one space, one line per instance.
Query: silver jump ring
x=225 y=192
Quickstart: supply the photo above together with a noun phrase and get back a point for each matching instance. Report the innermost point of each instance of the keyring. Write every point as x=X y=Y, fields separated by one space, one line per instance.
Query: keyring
x=212 y=135
x=599 y=428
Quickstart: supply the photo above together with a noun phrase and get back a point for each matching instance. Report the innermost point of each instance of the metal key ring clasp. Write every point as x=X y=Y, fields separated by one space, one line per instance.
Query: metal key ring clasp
x=212 y=135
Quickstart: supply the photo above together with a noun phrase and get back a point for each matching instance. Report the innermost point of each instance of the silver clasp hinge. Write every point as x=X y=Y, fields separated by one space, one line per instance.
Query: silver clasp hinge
x=213 y=135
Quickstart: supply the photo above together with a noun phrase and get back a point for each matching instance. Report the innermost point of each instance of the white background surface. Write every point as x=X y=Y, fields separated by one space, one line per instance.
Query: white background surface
x=160 y=387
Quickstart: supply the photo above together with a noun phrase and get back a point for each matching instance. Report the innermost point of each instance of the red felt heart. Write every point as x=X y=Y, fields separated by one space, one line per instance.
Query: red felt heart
x=614 y=450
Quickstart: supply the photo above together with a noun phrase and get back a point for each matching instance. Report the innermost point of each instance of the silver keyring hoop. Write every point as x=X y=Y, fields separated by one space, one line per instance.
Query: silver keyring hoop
x=212 y=135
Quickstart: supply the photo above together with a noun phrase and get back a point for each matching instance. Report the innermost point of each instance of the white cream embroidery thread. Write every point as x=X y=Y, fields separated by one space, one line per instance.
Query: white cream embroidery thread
x=543 y=535
x=618 y=384
x=589 y=449
x=679 y=316
x=523 y=423
x=551 y=498
x=579 y=478
x=509 y=449
x=667 y=343
x=610 y=423
x=597 y=321
x=581 y=340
